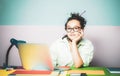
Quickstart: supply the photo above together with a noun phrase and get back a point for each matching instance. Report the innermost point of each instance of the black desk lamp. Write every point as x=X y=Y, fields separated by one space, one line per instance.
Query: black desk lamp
x=13 y=42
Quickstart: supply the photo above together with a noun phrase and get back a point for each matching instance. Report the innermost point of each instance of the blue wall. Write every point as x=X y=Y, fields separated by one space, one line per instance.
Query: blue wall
x=55 y=12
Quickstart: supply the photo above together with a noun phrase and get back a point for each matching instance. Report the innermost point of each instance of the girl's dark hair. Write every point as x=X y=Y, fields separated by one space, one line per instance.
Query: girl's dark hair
x=78 y=17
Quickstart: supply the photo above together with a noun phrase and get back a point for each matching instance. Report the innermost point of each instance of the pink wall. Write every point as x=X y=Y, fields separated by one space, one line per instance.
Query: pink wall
x=106 y=40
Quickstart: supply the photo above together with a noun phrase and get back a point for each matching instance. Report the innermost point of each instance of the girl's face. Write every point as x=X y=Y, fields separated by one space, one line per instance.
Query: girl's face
x=73 y=29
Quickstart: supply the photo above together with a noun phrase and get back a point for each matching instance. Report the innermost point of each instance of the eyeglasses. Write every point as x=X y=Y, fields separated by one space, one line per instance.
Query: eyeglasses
x=75 y=29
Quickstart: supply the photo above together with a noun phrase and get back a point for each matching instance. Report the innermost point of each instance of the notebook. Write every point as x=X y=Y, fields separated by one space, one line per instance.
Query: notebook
x=114 y=69
x=35 y=56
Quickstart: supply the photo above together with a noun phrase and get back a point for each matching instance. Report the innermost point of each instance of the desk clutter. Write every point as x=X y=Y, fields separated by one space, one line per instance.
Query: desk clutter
x=71 y=72
x=87 y=71
x=33 y=73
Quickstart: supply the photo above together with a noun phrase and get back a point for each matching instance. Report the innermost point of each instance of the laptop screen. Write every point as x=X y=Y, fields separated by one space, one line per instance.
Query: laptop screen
x=35 y=56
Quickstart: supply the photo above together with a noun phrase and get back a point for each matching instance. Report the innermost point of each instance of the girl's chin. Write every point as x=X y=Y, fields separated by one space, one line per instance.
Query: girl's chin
x=71 y=38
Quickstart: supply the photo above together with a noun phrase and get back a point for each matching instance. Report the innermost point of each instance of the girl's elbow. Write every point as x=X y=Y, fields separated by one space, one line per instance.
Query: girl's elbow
x=78 y=66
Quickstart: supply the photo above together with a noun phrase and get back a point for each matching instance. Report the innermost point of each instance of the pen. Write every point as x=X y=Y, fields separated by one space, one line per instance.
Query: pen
x=59 y=73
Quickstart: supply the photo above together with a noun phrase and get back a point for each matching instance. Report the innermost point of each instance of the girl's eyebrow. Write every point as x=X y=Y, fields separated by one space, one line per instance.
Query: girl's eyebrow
x=73 y=27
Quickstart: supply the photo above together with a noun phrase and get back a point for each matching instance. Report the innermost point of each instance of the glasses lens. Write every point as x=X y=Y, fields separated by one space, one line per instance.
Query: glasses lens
x=69 y=29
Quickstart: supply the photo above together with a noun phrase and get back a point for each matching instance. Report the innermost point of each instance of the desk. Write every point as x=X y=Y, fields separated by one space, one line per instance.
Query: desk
x=99 y=71
x=65 y=73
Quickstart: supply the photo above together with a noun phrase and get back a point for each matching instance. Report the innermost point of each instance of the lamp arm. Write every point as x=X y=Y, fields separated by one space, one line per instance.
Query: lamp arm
x=13 y=42
x=7 y=55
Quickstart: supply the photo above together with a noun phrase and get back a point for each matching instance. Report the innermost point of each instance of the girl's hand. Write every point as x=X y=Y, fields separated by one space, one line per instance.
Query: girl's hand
x=79 y=37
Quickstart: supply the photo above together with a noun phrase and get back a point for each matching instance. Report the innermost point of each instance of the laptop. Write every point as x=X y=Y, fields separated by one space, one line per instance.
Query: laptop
x=35 y=56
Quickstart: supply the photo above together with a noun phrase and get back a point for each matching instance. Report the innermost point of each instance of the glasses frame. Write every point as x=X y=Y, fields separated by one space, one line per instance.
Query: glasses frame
x=75 y=29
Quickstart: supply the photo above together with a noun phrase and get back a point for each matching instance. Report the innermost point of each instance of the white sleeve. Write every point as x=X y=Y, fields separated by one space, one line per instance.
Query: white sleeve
x=86 y=52
x=53 y=49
